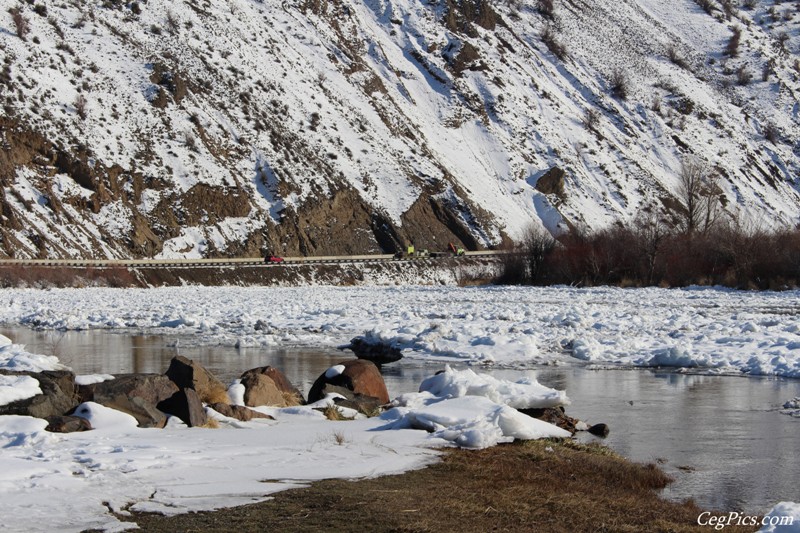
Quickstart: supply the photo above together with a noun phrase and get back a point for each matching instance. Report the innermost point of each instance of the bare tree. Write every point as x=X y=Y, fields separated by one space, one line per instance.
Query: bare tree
x=699 y=193
x=650 y=232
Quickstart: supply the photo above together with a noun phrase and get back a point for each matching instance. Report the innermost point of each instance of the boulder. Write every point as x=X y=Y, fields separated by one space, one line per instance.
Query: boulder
x=186 y=405
x=238 y=412
x=67 y=424
x=378 y=352
x=291 y=395
x=259 y=389
x=187 y=374
x=58 y=395
x=599 y=430
x=138 y=395
x=552 y=182
x=359 y=376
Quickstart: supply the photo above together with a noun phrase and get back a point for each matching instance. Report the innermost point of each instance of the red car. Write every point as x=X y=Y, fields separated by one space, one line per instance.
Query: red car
x=273 y=259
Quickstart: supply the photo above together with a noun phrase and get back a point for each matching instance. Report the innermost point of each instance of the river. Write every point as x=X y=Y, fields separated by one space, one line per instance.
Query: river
x=722 y=438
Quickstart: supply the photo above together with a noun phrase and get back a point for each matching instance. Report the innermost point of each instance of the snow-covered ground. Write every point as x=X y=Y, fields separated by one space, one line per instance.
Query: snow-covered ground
x=120 y=467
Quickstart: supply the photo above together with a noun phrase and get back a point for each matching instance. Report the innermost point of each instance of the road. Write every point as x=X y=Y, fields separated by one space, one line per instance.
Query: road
x=236 y=261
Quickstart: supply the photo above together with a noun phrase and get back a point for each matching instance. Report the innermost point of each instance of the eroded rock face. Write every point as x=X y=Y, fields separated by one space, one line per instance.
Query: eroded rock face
x=138 y=395
x=58 y=395
x=359 y=376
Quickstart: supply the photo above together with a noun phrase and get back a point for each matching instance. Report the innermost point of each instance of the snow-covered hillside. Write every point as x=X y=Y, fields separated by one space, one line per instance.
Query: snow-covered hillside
x=308 y=126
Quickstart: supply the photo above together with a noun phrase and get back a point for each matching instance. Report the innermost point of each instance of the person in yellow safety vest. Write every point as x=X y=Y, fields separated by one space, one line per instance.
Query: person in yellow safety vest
x=460 y=251
x=410 y=249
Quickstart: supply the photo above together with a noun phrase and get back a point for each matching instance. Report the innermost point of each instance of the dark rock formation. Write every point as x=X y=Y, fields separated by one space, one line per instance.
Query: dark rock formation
x=376 y=352
x=186 y=405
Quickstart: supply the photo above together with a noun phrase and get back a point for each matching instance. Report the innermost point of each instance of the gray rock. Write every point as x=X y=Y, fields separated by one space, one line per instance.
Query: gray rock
x=138 y=395
x=58 y=395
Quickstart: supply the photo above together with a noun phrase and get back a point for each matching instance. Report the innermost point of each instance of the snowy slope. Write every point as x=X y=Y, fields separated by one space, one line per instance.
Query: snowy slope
x=219 y=128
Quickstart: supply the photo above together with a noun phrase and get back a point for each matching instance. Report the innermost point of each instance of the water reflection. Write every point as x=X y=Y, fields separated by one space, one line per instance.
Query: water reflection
x=722 y=438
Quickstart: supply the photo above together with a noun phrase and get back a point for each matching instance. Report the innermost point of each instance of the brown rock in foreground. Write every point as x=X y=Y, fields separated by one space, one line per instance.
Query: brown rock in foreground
x=269 y=386
x=359 y=376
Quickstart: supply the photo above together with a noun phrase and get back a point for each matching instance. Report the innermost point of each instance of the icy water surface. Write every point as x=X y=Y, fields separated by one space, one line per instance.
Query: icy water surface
x=723 y=438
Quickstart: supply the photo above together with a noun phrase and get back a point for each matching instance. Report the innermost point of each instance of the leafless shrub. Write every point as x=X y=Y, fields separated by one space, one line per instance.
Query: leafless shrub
x=767 y=70
x=732 y=48
x=190 y=141
x=730 y=9
x=81 y=105
x=21 y=23
x=547 y=8
x=771 y=132
x=56 y=27
x=707 y=6
x=656 y=104
x=749 y=4
x=556 y=47
x=781 y=41
x=743 y=76
x=675 y=57
x=591 y=119
x=173 y=24
x=619 y=84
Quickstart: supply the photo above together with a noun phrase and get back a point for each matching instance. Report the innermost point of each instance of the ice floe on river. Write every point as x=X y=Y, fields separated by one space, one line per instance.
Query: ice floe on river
x=719 y=330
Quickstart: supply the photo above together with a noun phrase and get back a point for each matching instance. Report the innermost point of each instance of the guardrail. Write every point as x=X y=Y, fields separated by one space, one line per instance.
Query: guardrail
x=235 y=261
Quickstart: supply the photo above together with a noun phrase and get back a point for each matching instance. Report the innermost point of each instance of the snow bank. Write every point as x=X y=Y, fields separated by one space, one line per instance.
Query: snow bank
x=14 y=357
x=15 y=388
x=776 y=519
x=476 y=411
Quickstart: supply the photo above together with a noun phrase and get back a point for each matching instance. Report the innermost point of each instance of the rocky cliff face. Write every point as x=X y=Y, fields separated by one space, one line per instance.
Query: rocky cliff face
x=208 y=128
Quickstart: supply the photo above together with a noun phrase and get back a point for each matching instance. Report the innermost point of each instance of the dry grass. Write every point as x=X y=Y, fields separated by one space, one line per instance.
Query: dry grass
x=216 y=394
x=332 y=412
x=211 y=423
x=543 y=486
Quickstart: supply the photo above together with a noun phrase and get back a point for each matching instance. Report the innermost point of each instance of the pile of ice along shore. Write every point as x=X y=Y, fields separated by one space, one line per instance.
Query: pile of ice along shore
x=352 y=388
